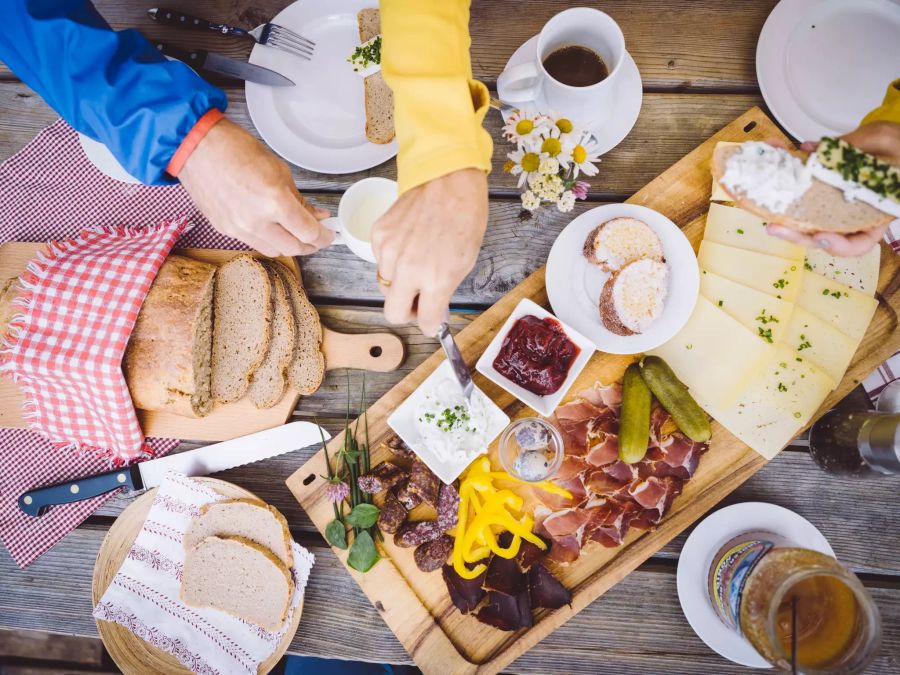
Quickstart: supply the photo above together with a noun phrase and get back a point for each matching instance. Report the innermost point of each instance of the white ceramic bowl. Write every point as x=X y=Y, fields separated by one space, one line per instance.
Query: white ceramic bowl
x=574 y=284
x=545 y=405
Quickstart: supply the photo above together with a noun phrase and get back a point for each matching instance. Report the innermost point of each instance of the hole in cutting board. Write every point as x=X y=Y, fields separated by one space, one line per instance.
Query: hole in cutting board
x=375 y=352
x=750 y=127
x=309 y=479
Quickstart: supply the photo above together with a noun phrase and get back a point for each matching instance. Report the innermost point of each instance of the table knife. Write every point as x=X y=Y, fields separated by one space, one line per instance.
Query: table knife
x=460 y=370
x=200 y=462
x=200 y=59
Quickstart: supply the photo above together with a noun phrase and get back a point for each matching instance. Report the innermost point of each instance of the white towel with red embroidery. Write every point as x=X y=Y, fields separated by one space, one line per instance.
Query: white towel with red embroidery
x=144 y=596
x=50 y=190
x=77 y=304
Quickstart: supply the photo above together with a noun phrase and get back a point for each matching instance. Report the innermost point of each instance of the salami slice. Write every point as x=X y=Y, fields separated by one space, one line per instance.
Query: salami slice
x=407 y=498
x=393 y=514
x=424 y=483
x=397 y=447
x=448 y=507
x=432 y=555
x=420 y=532
x=383 y=477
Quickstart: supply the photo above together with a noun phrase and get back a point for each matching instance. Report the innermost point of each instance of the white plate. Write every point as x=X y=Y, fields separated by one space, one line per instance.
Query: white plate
x=100 y=156
x=630 y=94
x=697 y=557
x=319 y=124
x=574 y=284
x=823 y=64
x=545 y=405
x=403 y=421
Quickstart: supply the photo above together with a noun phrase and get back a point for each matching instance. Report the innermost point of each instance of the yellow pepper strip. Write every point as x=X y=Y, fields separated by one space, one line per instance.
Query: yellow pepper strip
x=544 y=485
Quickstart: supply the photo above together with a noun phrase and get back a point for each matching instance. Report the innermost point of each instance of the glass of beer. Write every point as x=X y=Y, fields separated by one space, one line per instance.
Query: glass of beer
x=804 y=612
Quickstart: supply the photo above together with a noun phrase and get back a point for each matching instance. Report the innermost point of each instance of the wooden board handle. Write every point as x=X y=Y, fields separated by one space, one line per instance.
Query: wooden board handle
x=379 y=352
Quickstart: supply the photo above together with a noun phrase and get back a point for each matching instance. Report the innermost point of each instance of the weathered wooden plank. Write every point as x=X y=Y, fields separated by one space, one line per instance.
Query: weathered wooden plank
x=29 y=644
x=713 y=47
x=636 y=627
x=670 y=125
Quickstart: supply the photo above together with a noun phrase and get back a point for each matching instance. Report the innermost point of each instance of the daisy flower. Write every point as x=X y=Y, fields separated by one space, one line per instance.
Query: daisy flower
x=566 y=202
x=524 y=127
x=530 y=201
x=526 y=160
x=581 y=155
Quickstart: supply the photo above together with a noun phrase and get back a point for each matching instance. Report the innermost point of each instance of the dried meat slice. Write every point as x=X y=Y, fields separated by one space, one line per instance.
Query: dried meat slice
x=504 y=576
x=604 y=451
x=465 y=594
x=529 y=553
x=655 y=495
x=506 y=612
x=545 y=590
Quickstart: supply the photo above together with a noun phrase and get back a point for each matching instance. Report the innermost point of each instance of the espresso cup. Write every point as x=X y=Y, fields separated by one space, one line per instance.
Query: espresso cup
x=577 y=27
x=361 y=205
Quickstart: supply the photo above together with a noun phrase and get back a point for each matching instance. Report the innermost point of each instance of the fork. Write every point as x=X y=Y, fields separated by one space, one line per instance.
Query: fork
x=269 y=34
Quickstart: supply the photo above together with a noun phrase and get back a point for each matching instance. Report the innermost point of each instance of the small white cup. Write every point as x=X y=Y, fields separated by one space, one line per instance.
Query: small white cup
x=361 y=205
x=584 y=27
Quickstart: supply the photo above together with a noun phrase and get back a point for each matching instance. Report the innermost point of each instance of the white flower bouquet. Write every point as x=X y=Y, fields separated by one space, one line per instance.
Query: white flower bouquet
x=550 y=153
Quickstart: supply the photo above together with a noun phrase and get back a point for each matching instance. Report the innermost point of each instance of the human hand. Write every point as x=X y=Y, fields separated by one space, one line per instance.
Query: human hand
x=427 y=243
x=248 y=193
x=877 y=138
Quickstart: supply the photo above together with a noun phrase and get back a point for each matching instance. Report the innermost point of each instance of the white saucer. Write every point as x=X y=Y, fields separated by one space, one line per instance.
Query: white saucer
x=319 y=124
x=823 y=64
x=574 y=284
x=100 y=156
x=616 y=127
x=697 y=556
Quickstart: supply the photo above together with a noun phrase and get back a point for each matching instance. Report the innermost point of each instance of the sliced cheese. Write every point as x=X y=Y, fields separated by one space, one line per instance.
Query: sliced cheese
x=776 y=404
x=766 y=316
x=859 y=272
x=843 y=307
x=820 y=342
x=775 y=276
x=714 y=355
x=718 y=193
x=732 y=226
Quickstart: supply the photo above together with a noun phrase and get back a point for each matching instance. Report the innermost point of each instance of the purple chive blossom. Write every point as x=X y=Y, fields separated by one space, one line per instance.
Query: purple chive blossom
x=581 y=189
x=337 y=492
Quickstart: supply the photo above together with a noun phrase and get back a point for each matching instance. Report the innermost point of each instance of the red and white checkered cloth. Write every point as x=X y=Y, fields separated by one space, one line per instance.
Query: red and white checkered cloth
x=50 y=191
x=77 y=304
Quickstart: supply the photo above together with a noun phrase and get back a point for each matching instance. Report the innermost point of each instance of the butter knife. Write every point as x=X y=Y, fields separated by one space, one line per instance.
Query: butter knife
x=460 y=370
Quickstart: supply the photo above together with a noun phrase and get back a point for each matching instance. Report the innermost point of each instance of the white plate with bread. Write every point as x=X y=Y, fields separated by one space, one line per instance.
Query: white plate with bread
x=333 y=121
x=624 y=276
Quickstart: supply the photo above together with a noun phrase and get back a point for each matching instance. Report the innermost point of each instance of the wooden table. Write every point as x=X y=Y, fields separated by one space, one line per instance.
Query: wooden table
x=696 y=58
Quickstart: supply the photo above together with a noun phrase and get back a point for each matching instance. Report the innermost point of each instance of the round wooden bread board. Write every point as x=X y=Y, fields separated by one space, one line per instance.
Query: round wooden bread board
x=130 y=653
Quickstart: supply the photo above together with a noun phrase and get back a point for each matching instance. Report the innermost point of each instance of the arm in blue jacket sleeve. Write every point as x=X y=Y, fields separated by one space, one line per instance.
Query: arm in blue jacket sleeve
x=112 y=86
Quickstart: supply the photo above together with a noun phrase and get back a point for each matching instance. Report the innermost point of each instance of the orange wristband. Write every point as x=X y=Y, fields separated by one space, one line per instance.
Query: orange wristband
x=192 y=140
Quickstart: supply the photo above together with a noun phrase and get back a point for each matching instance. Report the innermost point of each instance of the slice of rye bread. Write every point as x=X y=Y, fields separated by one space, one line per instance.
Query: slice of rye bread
x=249 y=518
x=268 y=382
x=378 y=95
x=625 y=320
x=307 y=370
x=239 y=577
x=822 y=208
x=242 y=325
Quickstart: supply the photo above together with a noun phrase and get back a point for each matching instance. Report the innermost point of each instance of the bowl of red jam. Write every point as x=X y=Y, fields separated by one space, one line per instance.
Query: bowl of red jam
x=535 y=357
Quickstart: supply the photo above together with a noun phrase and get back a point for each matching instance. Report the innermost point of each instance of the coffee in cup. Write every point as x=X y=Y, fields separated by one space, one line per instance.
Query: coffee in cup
x=576 y=66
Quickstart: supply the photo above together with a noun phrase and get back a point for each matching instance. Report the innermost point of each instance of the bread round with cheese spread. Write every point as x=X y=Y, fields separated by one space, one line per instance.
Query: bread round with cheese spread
x=617 y=242
x=634 y=296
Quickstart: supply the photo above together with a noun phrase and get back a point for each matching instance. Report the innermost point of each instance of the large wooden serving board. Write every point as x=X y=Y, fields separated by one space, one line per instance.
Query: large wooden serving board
x=416 y=606
x=369 y=351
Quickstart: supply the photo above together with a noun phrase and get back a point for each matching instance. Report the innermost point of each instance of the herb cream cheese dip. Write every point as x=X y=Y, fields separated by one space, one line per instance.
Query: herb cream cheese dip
x=771 y=177
x=450 y=426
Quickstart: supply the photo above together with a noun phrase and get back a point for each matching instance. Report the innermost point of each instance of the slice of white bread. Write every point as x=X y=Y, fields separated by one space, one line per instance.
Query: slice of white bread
x=378 y=95
x=634 y=296
x=242 y=327
x=240 y=577
x=248 y=518
x=307 y=370
x=168 y=358
x=268 y=381
x=822 y=208
x=619 y=241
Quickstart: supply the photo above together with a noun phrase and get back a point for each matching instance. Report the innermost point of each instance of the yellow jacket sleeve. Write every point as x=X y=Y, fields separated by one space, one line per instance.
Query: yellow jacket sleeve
x=438 y=107
x=889 y=110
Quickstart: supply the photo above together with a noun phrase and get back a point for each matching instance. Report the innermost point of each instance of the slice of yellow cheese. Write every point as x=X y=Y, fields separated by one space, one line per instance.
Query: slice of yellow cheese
x=766 y=316
x=714 y=355
x=718 y=193
x=732 y=226
x=859 y=272
x=775 y=276
x=843 y=307
x=820 y=342
x=775 y=405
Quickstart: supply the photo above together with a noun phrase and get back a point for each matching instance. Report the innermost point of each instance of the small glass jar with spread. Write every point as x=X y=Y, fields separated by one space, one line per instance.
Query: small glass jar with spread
x=531 y=449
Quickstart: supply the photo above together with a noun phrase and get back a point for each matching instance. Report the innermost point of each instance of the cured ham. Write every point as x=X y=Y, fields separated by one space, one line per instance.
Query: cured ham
x=610 y=496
